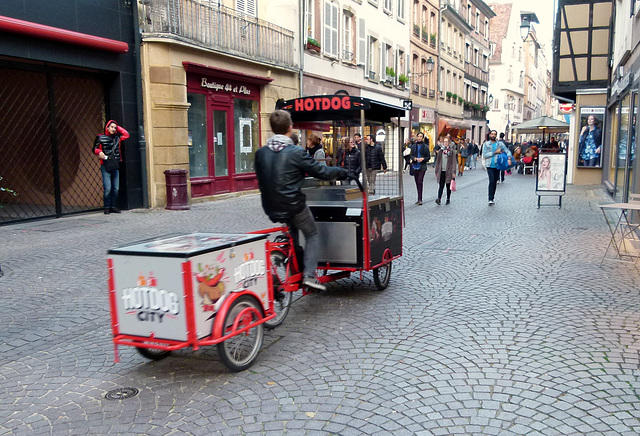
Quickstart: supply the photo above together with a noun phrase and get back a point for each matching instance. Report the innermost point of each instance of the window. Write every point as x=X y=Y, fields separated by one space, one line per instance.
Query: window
x=246 y=133
x=400 y=10
x=469 y=13
x=388 y=6
x=510 y=77
x=197 y=122
x=440 y=80
x=347 y=36
x=246 y=7
x=372 y=59
x=496 y=104
x=521 y=81
x=309 y=19
x=486 y=28
x=492 y=75
x=331 y=29
x=478 y=21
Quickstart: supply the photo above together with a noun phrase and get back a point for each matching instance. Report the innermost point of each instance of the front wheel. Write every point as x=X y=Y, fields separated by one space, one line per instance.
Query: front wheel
x=240 y=351
x=382 y=275
x=281 y=299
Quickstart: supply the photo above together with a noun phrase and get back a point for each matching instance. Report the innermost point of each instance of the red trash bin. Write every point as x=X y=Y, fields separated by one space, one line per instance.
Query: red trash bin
x=177 y=195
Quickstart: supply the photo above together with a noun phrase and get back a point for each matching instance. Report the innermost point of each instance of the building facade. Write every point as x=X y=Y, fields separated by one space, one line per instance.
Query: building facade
x=212 y=71
x=507 y=70
x=453 y=33
x=63 y=74
x=425 y=19
x=476 y=68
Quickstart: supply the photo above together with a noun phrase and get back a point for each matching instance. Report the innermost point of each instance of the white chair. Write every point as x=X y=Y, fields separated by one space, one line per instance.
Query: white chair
x=530 y=166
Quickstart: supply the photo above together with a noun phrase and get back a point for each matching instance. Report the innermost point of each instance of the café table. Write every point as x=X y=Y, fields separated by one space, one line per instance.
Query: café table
x=622 y=230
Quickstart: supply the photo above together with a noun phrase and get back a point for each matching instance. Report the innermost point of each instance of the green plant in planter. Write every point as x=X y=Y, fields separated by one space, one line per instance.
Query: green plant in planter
x=460 y=100
x=391 y=72
x=425 y=32
x=433 y=38
x=403 y=79
x=416 y=29
x=313 y=44
x=449 y=94
x=454 y=97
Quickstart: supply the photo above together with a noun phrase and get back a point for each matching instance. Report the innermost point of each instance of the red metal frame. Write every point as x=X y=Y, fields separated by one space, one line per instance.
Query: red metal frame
x=56 y=34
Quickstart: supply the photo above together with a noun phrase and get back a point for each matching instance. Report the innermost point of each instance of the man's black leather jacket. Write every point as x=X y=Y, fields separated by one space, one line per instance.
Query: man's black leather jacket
x=281 y=175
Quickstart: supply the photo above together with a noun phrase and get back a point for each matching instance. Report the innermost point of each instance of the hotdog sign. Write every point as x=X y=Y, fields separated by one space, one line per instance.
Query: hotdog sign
x=324 y=103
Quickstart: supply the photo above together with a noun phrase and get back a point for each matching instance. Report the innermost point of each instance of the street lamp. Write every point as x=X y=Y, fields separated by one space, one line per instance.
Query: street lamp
x=526 y=18
x=430 y=64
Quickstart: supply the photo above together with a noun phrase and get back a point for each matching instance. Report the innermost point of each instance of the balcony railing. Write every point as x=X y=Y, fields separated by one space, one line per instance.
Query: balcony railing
x=205 y=24
x=476 y=72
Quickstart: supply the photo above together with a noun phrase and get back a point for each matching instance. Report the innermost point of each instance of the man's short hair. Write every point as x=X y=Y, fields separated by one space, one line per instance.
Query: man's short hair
x=358 y=135
x=372 y=138
x=490 y=131
x=280 y=122
x=420 y=133
x=501 y=135
x=295 y=138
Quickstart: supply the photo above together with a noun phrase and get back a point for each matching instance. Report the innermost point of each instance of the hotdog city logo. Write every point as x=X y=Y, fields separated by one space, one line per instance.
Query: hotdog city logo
x=148 y=303
x=247 y=273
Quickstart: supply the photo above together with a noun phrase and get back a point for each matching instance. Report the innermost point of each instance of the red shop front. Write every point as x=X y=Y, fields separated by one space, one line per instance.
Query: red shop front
x=224 y=129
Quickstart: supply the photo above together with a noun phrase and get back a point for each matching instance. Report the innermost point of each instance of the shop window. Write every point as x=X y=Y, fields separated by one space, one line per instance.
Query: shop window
x=246 y=133
x=197 y=123
x=590 y=146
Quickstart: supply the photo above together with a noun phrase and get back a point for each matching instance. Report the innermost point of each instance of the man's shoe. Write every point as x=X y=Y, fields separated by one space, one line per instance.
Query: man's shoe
x=491 y=202
x=438 y=201
x=114 y=210
x=313 y=283
x=448 y=201
x=107 y=211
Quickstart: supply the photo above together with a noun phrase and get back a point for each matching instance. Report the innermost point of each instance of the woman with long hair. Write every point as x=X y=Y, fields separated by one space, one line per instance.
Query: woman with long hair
x=446 y=163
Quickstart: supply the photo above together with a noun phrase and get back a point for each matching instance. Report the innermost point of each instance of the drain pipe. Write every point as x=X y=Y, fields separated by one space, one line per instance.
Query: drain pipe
x=142 y=142
x=302 y=5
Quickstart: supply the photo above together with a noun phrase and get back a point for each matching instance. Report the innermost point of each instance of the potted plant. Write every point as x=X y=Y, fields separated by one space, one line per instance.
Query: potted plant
x=449 y=94
x=391 y=74
x=425 y=34
x=454 y=97
x=403 y=79
x=312 y=44
x=416 y=29
x=433 y=38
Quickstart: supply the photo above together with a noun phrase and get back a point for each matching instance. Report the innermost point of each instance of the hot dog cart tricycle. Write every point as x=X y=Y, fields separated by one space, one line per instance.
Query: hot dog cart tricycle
x=199 y=289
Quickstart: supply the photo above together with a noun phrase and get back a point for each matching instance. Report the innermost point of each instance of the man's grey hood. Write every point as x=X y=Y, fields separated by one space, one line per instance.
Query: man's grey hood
x=278 y=142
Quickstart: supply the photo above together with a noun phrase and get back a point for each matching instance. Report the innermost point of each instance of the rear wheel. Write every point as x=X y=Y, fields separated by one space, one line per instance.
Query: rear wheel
x=240 y=351
x=281 y=299
x=382 y=275
x=152 y=354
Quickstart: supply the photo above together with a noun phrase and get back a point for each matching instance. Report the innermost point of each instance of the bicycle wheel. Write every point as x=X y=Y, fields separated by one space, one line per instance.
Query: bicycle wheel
x=381 y=276
x=281 y=299
x=240 y=351
x=152 y=354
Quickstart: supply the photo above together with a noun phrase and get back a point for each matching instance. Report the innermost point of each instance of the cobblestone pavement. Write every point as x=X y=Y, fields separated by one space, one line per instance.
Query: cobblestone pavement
x=498 y=320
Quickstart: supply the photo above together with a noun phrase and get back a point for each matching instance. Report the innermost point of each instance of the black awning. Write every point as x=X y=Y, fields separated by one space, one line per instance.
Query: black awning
x=339 y=107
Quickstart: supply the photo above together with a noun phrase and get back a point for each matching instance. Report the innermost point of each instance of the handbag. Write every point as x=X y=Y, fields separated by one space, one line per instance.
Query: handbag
x=453 y=185
x=111 y=164
x=411 y=172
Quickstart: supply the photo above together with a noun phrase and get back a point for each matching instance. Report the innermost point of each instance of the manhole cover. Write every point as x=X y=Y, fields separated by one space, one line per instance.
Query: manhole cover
x=121 y=393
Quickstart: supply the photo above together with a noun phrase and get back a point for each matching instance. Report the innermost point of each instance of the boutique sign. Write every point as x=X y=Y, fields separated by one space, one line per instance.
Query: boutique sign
x=225 y=87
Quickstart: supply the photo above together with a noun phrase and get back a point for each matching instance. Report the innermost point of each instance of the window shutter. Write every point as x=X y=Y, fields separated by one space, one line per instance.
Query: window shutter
x=327 y=27
x=334 y=30
x=362 y=44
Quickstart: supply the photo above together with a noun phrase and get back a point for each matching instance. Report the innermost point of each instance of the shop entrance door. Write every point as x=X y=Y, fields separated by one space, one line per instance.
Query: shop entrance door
x=221 y=138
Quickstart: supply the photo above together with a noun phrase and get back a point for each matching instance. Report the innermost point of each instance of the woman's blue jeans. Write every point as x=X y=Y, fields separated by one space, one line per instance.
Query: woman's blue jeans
x=110 y=186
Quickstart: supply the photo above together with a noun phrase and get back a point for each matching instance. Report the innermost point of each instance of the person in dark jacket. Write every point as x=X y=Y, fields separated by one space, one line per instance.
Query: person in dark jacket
x=281 y=168
x=107 y=147
x=375 y=161
x=350 y=159
x=420 y=157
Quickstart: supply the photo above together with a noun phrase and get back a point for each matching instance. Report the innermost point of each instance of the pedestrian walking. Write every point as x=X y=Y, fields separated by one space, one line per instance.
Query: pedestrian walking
x=445 y=168
x=375 y=161
x=420 y=157
x=462 y=156
x=281 y=191
x=503 y=143
x=406 y=154
x=490 y=150
x=107 y=148
x=474 y=155
x=314 y=148
x=351 y=158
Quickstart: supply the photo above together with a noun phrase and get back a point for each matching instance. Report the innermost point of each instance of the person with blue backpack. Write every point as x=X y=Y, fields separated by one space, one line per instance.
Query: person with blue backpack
x=491 y=149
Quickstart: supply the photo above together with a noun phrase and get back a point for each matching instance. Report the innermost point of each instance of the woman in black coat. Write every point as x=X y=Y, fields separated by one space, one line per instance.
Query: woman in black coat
x=420 y=156
x=351 y=159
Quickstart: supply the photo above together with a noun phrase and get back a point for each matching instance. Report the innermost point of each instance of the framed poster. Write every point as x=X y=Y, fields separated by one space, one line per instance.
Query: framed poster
x=590 y=137
x=551 y=177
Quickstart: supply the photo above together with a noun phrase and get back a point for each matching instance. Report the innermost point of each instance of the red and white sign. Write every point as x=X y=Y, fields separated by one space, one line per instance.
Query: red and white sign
x=566 y=108
x=427 y=116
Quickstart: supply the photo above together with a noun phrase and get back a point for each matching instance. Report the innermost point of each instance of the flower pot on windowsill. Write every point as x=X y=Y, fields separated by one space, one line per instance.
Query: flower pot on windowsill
x=313 y=45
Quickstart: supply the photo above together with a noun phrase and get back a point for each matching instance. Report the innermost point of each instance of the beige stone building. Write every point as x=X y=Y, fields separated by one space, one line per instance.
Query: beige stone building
x=211 y=74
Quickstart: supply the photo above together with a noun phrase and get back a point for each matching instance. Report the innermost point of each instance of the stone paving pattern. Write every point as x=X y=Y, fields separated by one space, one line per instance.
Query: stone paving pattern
x=497 y=320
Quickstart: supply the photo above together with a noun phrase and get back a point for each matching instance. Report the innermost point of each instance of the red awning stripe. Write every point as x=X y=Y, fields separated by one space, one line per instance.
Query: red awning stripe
x=55 y=34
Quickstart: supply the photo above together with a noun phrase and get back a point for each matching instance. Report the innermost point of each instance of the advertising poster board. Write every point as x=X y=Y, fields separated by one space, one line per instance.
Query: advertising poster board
x=551 y=177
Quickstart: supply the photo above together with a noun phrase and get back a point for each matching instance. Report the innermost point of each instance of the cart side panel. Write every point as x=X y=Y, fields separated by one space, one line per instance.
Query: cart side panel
x=340 y=230
x=217 y=274
x=385 y=229
x=149 y=297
